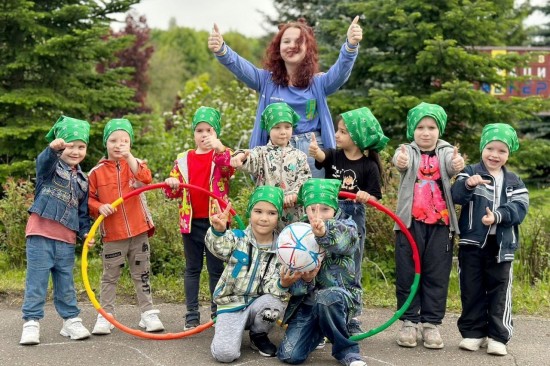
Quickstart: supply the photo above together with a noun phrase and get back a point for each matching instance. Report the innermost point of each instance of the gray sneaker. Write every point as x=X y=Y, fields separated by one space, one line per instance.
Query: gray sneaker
x=407 y=334
x=430 y=335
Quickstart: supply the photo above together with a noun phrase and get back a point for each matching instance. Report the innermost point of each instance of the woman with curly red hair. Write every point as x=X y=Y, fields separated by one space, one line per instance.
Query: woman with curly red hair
x=291 y=75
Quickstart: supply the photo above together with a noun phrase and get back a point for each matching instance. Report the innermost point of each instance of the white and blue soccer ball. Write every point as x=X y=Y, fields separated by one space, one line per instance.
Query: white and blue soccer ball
x=297 y=248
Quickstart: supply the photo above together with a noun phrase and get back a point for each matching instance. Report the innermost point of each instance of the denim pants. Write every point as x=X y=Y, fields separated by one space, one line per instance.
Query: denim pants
x=194 y=250
x=301 y=142
x=327 y=317
x=45 y=256
x=358 y=214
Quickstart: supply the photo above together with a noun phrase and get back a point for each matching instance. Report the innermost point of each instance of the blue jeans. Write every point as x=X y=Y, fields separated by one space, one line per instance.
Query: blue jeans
x=357 y=212
x=195 y=250
x=45 y=256
x=327 y=317
x=301 y=142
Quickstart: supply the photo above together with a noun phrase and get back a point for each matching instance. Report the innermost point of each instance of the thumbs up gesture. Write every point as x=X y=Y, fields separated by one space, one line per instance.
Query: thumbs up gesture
x=355 y=33
x=238 y=160
x=489 y=218
x=215 y=40
x=402 y=161
x=457 y=161
x=313 y=147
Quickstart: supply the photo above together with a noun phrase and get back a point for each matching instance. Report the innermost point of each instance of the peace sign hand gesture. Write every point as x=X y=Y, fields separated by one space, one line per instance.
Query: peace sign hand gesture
x=220 y=217
x=318 y=224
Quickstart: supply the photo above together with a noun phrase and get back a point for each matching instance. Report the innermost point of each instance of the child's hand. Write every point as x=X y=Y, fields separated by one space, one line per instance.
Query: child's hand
x=238 y=160
x=309 y=276
x=290 y=200
x=172 y=182
x=476 y=180
x=220 y=217
x=402 y=161
x=91 y=242
x=362 y=196
x=124 y=150
x=457 y=161
x=318 y=224
x=215 y=41
x=59 y=144
x=213 y=143
x=489 y=218
x=288 y=277
x=106 y=209
x=313 y=147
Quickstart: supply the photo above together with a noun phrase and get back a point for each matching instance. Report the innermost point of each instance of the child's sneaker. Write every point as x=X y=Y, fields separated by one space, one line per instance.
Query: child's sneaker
x=407 y=334
x=192 y=320
x=102 y=326
x=31 y=333
x=430 y=335
x=496 y=348
x=261 y=343
x=473 y=344
x=322 y=344
x=354 y=327
x=150 y=321
x=74 y=329
x=353 y=359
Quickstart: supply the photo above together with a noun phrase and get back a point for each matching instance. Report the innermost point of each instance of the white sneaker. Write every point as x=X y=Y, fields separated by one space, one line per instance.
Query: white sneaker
x=150 y=321
x=73 y=328
x=473 y=344
x=496 y=348
x=102 y=325
x=31 y=333
x=358 y=363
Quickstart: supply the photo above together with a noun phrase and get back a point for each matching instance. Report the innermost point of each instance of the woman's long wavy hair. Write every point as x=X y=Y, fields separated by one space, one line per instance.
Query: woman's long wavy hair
x=310 y=65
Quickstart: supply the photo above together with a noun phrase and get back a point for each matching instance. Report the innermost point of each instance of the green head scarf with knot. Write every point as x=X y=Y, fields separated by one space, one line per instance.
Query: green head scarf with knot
x=276 y=113
x=273 y=195
x=320 y=190
x=422 y=110
x=499 y=132
x=209 y=115
x=117 y=124
x=69 y=129
x=364 y=129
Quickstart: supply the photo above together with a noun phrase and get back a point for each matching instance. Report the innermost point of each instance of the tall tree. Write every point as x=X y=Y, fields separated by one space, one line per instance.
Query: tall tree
x=48 y=56
x=136 y=57
x=417 y=50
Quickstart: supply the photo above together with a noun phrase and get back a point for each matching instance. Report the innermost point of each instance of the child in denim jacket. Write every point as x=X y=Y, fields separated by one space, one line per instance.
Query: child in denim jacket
x=207 y=166
x=58 y=216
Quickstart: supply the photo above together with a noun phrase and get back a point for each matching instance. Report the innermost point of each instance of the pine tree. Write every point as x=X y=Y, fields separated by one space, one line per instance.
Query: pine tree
x=48 y=56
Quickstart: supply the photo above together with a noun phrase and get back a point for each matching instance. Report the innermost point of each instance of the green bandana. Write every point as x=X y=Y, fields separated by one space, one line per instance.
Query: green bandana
x=69 y=129
x=426 y=110
x=209 y=115
x=320 y=190
x=499 y=132
x=364 y=129
x=276 y=113
x=269 y=194
x=115 y=125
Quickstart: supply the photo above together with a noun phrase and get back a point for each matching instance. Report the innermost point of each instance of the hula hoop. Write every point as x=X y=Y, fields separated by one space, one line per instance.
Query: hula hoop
x=416 y=259
x=91 y=294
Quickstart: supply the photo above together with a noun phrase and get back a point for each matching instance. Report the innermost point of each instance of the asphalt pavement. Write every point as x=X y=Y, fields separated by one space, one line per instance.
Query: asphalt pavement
x=529 y=346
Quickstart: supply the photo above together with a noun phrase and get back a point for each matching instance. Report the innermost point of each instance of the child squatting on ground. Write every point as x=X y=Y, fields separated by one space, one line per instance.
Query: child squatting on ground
x=126 y=228
x=355 y=162
x=322 y=304
x=278 y=164
x=494 y=203
x=425 y=206
x=250 y=292
x=208 y=167
x=58 y=215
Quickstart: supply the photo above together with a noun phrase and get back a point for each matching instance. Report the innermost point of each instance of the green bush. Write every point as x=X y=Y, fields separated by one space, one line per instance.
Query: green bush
x=18 y=197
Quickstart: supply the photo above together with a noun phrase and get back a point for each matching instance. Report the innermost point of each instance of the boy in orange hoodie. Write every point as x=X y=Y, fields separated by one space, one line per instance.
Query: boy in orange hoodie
x=126 y=229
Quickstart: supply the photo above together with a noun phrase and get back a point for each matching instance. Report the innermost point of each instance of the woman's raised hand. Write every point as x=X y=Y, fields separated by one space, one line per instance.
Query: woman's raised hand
x=215 y=40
